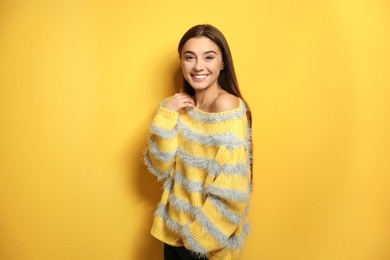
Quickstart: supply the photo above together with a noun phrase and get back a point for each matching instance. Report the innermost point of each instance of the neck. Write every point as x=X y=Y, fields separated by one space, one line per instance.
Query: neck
x=205 y=97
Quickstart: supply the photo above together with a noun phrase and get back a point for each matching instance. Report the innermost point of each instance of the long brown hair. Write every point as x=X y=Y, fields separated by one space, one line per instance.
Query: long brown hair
x=227 y=78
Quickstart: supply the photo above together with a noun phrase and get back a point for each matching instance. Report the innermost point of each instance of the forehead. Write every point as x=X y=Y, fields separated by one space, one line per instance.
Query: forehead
x=200 y=45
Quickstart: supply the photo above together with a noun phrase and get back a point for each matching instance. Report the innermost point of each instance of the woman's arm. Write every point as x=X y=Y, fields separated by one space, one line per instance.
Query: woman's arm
x=160 y=154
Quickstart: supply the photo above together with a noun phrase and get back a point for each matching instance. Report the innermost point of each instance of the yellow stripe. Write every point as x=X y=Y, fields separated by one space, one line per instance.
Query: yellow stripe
x=206 y=239
x=237 y=207
x=163 y=167
x=223 y=224
x=196 y=173
x=179 y=216
x=231 y=157
x=232 y=182
x=197 y=149
x=165 y=145
x=164 y=197
x=194 y=198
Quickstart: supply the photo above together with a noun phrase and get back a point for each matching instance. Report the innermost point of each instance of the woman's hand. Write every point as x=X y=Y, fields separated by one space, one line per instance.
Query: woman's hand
x=179 y=101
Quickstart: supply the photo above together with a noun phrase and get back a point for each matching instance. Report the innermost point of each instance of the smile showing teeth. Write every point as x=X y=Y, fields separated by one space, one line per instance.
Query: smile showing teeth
x=199 y=76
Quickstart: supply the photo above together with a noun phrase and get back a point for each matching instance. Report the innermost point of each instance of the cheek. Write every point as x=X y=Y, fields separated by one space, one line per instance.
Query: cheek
x=185 y=66
x=186 y=69
x=185 y=72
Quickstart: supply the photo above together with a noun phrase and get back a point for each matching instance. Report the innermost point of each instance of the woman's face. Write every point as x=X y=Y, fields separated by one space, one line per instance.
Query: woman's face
x=201 y=63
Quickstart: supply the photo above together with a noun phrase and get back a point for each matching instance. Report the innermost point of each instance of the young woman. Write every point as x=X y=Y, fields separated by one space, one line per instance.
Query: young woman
x=200 y=147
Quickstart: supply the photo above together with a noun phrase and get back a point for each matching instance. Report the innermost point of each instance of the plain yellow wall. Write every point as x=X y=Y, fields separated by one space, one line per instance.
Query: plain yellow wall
x=80 y=82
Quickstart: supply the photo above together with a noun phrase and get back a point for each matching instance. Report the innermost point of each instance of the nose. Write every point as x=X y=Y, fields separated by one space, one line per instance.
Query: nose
x=198 y=66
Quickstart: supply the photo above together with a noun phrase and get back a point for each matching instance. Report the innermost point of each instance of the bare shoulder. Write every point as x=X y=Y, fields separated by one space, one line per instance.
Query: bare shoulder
x=225 y=102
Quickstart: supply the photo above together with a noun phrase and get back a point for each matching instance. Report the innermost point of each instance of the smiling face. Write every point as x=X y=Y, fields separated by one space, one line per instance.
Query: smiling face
x=201 y=63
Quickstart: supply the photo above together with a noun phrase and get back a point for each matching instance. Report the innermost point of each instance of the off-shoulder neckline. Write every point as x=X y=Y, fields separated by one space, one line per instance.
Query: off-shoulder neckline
x=231 y=111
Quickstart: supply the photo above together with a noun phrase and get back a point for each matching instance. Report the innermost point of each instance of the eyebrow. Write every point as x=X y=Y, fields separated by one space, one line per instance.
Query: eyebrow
x=206 y=52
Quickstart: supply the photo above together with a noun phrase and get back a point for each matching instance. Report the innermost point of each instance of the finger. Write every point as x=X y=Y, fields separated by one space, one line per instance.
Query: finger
x=188 y=103
x=188 y=99
x=179 y=101
x=184 y=101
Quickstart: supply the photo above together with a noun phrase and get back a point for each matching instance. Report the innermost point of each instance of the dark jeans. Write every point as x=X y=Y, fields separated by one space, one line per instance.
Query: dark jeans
x=179 y=253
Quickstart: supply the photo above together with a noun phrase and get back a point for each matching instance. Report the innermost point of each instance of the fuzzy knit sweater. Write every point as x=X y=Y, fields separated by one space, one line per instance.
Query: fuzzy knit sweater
x=204 y=161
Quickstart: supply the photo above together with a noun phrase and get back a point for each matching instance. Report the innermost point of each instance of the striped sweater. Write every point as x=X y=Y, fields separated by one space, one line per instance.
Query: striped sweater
x=204 y=160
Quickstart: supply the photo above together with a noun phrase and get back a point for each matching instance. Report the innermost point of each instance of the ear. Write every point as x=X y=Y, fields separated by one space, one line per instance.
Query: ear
x=222 y=65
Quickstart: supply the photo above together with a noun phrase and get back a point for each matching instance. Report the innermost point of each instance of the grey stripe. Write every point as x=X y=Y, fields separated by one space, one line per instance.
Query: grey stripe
x=212 y=166
x=229 y=140
x=218 y=117
x=237 y=242
x=246 y=211
x=171 y=224
x=239 y=169
x=160 y=155
x=168 y=184
x=228 y=194
x=182 y=205
x=154 y=170
x=176 y=227
x=195 y=161
x=211 y=228
x=161 y=132
x=230 y=215
x=193 y=244
x=190 y=185
x=161 y=211
x=233 y=242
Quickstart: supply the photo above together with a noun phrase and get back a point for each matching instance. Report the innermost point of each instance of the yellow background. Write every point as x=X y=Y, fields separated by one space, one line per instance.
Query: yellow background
x=81 y=80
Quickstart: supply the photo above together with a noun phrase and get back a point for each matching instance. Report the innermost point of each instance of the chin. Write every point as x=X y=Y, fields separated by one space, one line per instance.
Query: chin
x=199 y=87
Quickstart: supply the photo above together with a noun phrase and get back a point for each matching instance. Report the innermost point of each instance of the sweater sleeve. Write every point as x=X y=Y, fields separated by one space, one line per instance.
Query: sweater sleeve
x=227 y=201
x=160 y=154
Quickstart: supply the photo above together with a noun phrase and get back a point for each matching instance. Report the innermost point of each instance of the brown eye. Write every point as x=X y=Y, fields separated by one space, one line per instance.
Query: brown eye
x=189 y=58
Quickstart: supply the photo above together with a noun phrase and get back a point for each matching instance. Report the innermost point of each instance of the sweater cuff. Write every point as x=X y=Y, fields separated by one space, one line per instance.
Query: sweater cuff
x=165 y=118
x=167 y=113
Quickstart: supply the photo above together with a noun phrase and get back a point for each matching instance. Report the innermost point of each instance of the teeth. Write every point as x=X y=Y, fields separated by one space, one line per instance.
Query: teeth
x=199 y=76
